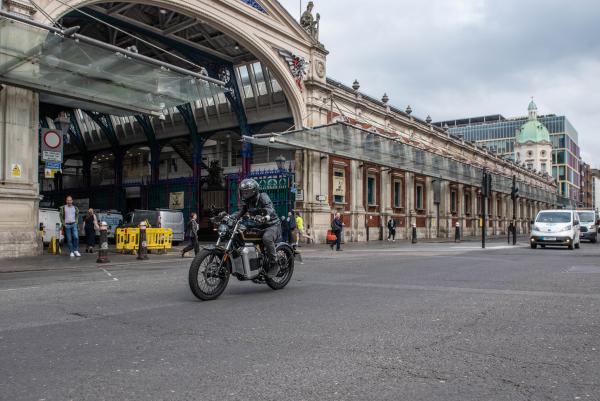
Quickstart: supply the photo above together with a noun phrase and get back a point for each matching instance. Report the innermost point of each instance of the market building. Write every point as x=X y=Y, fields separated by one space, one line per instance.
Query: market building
x=170 y=104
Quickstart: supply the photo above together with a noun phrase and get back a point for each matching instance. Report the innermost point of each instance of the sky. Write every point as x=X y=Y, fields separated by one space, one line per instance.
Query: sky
x=464 y=58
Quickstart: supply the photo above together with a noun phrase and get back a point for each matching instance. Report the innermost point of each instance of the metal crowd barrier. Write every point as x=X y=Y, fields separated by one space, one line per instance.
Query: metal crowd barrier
x=157 y=239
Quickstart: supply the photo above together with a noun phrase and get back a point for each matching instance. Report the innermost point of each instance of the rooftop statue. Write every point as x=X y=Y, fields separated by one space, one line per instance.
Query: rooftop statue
x=310 y=23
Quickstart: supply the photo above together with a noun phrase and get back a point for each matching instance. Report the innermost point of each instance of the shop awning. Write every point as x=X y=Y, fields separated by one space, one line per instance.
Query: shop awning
x=348 y=141
x=68 y=68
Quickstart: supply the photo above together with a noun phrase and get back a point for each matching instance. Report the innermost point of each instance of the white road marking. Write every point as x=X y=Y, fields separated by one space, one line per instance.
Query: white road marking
x=16 y=289
x=110 y=275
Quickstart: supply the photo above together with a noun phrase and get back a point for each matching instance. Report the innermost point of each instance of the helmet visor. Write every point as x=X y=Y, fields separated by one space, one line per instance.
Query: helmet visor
x=247 y=193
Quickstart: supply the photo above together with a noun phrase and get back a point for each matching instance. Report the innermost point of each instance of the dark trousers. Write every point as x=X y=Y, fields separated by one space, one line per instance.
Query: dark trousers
x=192 y=245
x=90 y=237
x=338 y=240
x=271 y=235
x=391 y=233
x=285 y=236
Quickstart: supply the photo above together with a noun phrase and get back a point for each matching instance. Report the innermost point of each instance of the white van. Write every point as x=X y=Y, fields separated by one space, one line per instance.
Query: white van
x=164 y=218
x=50 y=218
x=113 y=218
x=555 y=227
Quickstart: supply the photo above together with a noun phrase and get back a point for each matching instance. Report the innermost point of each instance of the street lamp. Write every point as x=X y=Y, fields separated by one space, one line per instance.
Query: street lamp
x=280 y=161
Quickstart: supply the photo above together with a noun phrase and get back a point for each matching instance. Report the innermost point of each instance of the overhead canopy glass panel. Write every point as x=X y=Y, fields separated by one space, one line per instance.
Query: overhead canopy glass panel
x=352 y=142
x=34 y=58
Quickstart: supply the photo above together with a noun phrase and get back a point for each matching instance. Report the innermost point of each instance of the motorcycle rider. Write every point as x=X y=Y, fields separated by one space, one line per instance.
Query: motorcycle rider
x=259 y=206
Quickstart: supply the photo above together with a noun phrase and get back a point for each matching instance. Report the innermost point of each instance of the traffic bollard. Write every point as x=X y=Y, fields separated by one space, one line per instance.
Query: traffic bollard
x=103 y=251
x=457 y=233
x=143 y=244
x=414 y=233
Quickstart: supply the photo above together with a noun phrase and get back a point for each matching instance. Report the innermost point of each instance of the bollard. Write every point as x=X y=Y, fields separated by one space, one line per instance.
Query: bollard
x=414 y=233
x=54 y=246
x=103 y=251
x=143 y=245
x=457 y=233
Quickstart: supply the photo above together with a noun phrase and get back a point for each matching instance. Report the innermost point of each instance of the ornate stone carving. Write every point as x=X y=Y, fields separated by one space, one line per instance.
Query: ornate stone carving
x=310 y=23
x=298 y=66
x=320 y=69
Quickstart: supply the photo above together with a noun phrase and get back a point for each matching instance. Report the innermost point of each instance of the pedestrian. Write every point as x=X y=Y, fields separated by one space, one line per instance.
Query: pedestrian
x=457 y=232
x=300 y=233
x=391 y=224
x=291 y=219
x=68 y=217
x=337 y=225
x=192 y=234
x=90 y=226
x=285 y=229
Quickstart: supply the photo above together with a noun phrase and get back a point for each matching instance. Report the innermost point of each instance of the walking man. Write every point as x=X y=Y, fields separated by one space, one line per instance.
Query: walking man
x=291 y=228
x=68 y=217
x=192 y=233
x=285 y=229
x=337 y=226
x=391 y=230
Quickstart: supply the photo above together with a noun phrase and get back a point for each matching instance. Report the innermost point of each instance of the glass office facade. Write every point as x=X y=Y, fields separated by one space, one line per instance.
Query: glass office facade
x=499 y=134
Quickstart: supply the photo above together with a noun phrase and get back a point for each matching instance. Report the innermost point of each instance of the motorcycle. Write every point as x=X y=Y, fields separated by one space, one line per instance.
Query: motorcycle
x=239 y=251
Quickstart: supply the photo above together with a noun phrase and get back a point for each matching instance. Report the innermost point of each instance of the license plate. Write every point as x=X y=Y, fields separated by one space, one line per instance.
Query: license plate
x=548 y=238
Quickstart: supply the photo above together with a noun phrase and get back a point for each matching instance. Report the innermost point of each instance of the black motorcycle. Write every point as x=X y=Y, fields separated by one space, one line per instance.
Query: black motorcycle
x=239 y=252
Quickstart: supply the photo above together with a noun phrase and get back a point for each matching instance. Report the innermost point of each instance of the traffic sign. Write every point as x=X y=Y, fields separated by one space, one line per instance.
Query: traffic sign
x=52 y=145
x=54 y=165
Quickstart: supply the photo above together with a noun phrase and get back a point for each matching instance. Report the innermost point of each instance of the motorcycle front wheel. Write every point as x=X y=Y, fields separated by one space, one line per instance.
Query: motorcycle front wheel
x=208 y=275
x=285 y=259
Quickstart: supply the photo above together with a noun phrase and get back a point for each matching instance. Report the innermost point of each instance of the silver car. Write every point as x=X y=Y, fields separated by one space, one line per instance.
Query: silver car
x=588 y=220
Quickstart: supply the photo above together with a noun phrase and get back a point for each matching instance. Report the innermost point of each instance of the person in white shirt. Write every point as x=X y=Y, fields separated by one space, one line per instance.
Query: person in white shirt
x=68 y=217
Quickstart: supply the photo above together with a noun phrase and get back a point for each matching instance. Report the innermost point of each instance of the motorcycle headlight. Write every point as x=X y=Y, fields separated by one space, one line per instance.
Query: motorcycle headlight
x=223 y=229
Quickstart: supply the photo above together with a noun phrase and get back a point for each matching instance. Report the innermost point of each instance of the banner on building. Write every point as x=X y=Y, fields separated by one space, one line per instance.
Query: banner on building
x=176 y=200
x=339 y=186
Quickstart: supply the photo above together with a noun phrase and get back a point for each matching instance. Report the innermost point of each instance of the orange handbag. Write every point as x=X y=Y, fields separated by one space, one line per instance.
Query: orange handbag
x=331 y=237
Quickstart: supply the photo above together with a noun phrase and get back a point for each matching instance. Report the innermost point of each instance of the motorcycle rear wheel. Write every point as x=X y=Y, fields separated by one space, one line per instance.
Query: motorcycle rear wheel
x=285 y=258
x=206 y=280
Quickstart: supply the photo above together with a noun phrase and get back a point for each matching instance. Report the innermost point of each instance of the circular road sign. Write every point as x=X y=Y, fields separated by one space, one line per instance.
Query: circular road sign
x=52 y=139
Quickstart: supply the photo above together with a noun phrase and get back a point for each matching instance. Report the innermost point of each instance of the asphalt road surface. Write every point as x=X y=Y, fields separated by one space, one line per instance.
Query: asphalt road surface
x=383 y=322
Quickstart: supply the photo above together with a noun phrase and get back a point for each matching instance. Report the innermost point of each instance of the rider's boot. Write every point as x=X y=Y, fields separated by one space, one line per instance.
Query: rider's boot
x=273 y=269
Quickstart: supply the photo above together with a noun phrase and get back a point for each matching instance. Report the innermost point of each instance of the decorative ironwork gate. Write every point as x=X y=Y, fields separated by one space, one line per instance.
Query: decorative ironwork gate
x=278 y=184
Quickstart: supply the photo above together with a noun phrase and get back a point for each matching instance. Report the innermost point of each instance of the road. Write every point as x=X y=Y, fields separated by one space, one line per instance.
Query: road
x=377 y=322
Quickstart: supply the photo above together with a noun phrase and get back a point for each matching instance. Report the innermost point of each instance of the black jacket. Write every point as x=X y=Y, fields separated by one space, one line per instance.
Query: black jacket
x=391 y=224
x=259 y=205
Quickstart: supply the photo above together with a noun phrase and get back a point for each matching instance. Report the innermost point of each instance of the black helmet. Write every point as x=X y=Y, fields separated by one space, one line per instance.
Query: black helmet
x=249 y=188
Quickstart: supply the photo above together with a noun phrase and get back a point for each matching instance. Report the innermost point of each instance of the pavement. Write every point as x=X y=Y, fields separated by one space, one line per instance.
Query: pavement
x=378 y=321
x=47 y=261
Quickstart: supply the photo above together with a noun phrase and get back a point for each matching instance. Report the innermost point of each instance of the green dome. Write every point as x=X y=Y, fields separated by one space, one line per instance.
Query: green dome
x=532 y=106
x=533 y=131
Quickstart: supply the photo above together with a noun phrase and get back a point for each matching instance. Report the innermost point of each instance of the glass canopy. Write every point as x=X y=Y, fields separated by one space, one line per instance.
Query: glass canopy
x=33 y=58
x=355 y=143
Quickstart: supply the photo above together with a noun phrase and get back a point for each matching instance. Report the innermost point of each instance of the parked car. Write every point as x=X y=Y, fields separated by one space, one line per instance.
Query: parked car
x=588 y=219
x=556 y=227
x=50 y=218
x=164 y=218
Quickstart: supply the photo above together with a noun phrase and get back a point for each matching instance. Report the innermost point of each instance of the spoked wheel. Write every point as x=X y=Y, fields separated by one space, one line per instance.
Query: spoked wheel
x=285 y=259
x=208 y=275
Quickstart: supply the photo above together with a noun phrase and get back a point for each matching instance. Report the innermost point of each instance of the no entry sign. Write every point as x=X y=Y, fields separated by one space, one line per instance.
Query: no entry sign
x=52 y=145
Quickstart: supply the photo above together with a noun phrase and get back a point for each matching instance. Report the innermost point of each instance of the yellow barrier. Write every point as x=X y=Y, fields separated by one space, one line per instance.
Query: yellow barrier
x=159 y=239
x=128 y=239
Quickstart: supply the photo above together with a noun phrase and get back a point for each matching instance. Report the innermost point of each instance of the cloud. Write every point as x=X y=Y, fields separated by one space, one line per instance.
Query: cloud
x=461 y=58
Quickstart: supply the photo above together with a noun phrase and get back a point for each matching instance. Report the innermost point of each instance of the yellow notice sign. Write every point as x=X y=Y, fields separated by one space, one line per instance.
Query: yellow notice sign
x=15 y=170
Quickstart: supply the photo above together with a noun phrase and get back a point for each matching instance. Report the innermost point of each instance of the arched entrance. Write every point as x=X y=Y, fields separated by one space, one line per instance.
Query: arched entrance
x=239 y=23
